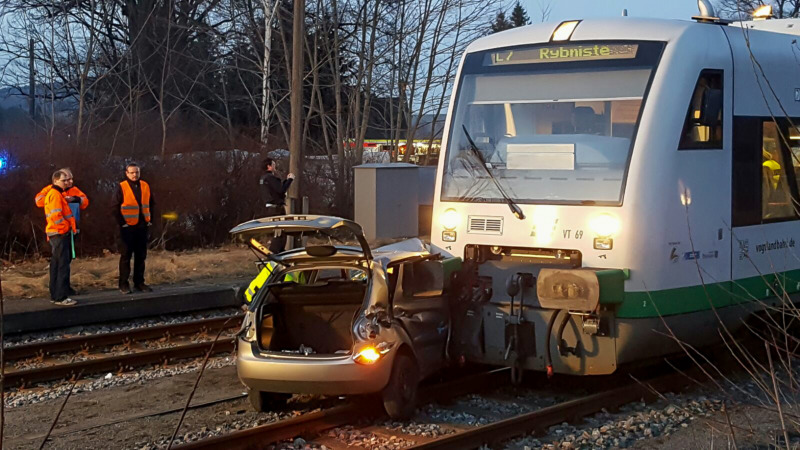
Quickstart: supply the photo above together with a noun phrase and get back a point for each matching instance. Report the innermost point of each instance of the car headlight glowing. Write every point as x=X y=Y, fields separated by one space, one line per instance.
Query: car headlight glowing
x=604 y=225
x=450 y=219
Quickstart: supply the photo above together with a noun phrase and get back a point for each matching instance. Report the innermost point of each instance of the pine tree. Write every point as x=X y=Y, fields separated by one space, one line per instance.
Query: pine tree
x=501 y=23
x=519 y=17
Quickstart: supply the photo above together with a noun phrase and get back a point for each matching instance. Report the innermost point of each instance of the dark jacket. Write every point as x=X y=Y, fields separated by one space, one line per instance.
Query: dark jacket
x=137 y=192
x=273 y=189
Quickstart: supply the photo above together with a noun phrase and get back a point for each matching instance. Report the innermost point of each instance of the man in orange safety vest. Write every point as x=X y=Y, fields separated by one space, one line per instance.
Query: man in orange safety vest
x=60 y=228
x=133 y=203
x=72 y=193
x=78 y=201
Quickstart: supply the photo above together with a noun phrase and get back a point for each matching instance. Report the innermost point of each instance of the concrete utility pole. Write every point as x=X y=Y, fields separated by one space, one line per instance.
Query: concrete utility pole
x=31 y=82
x=269 y=13
x=296 y=132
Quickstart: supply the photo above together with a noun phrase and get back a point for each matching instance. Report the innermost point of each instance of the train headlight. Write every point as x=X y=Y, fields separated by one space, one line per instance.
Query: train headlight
x=564 y=30
x=450 y=219
x=604 y=225
x=763 y=12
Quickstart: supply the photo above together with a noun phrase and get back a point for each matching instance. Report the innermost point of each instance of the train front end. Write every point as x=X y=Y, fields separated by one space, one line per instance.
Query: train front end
x=530 y=193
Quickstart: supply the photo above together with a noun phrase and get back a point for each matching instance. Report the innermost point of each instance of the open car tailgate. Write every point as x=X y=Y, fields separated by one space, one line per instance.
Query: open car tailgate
x=299 y=224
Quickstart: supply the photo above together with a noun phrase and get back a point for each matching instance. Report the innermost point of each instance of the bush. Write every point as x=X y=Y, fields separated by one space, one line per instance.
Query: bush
x=210 y=191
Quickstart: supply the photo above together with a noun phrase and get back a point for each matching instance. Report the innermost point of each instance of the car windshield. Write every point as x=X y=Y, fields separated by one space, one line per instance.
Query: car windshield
x=549 y=132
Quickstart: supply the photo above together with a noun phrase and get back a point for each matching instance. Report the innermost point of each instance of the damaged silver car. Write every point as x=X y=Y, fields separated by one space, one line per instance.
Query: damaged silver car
x=339 y=319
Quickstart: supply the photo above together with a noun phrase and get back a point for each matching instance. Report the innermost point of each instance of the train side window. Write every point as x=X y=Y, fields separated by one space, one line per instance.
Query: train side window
x=776 y=194
x=703 y=126
x=794 y=152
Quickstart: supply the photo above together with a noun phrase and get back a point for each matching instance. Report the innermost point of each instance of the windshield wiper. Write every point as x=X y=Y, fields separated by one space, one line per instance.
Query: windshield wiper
x=515 y=209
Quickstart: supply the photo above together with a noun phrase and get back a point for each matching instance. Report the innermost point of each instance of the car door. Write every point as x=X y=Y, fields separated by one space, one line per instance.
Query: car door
x=419 y=305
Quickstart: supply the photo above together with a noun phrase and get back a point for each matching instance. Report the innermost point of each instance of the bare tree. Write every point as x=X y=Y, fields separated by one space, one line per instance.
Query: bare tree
x=545 y=8
x=135 y=77
x=742 y=9
x=442 y=30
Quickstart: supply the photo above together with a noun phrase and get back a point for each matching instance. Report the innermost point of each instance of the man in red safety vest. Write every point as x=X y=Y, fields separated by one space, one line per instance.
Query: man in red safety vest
x=60 y=227
x=133 y=203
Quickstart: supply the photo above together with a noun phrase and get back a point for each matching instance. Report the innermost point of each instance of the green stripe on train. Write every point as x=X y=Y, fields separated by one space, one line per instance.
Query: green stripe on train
x=667 y=302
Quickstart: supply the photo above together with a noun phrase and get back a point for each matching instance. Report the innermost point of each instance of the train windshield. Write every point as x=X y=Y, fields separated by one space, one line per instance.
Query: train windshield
x=552 y=124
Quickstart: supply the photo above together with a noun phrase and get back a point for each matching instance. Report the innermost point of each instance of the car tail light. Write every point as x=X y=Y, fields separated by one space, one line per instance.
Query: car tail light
x=370 y=355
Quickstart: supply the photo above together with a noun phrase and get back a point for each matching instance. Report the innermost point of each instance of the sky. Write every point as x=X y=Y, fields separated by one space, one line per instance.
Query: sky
x=587 y=9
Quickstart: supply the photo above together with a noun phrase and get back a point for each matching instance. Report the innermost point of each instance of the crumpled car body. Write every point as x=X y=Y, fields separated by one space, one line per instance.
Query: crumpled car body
x=357 y=320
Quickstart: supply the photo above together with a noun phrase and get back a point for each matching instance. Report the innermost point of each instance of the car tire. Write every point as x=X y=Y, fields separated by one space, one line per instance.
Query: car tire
x=400 y=395
x=266 y=401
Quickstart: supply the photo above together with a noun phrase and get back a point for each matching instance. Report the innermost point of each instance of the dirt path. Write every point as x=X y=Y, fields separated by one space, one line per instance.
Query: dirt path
x=27 y=425
x=30 y=279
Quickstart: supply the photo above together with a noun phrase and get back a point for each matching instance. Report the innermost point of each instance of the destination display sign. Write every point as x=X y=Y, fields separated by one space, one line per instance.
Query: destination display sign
x=561 y=53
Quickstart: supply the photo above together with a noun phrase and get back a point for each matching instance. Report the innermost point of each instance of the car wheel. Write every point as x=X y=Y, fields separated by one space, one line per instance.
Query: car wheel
x=399 y=396
x=266 y=401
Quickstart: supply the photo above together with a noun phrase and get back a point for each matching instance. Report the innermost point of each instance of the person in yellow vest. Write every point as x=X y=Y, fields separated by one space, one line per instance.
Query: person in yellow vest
x=132 y=206
x=774 y=169
x=258 y=282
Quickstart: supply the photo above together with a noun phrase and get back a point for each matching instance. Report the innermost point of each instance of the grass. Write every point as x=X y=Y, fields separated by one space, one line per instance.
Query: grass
x=30 y=279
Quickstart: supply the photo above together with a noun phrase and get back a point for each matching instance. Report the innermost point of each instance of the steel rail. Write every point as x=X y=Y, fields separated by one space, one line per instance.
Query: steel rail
x=259 y=437
x=117 y=362
x=314 y=423
x=100 y=340
x=311 y=425
x=569 y=411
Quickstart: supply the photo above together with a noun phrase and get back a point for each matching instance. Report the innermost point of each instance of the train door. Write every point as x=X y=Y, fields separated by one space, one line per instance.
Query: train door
x=704 y=186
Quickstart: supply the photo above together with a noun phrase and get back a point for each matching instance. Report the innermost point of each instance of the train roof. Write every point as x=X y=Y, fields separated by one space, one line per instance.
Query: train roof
x=624 y=28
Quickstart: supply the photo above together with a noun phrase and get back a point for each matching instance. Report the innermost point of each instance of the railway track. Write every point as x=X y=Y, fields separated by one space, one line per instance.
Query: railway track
x=569 y=411
x=94 y=363
x=315 y=424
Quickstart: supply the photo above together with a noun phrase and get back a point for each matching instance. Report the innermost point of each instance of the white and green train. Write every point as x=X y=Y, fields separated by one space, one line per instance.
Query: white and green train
x=609 y=183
